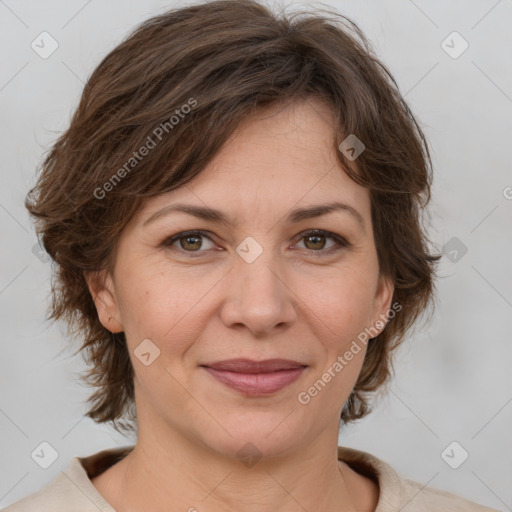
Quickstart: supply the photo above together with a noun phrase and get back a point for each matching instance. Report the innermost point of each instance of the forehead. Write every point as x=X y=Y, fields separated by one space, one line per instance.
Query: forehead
x=277 y=160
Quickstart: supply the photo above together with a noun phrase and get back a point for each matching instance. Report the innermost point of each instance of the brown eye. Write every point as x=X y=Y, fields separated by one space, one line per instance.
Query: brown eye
x=192 y=242
x=189 y=241
x=315 y=241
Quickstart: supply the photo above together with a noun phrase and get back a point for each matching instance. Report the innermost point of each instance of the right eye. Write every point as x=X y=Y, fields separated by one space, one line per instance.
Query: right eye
x=189 y=241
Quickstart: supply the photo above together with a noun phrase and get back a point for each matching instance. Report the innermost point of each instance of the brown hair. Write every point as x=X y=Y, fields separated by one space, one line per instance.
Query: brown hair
x=179 y=85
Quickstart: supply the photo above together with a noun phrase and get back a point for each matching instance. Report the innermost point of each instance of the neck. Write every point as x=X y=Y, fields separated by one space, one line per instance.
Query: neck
x=172 y=476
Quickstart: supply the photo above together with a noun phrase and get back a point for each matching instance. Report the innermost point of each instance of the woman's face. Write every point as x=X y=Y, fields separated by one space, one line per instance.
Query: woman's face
x=256 y=287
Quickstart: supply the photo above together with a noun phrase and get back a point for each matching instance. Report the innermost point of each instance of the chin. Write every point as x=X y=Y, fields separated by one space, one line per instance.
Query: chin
x=256 y=435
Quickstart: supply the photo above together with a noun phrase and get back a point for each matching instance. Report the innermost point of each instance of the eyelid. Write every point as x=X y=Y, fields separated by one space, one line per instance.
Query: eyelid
x=340 y=241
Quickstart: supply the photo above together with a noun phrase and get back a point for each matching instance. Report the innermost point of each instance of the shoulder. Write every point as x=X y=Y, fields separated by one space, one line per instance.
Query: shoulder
x=397 y=493
x=423 y=499
x=60 y=495
x=72 y=488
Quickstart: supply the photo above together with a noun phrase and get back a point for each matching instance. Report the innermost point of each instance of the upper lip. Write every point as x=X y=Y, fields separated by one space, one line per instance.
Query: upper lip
x=251 y=366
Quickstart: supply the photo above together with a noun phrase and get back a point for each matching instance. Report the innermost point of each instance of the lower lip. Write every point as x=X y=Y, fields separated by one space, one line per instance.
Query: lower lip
x=256 y=383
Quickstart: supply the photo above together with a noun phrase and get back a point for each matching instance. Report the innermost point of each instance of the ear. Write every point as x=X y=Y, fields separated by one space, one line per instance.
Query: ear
x=101 y=287
x=382 y=302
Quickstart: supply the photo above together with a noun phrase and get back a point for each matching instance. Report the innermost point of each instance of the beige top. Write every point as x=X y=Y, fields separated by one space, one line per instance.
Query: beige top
x=73 y=491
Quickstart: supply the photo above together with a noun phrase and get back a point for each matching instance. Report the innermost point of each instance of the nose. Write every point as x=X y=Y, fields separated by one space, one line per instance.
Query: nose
x=258 y=296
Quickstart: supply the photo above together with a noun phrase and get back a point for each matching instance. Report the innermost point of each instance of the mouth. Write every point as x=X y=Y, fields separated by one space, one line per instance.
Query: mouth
x=256 y=378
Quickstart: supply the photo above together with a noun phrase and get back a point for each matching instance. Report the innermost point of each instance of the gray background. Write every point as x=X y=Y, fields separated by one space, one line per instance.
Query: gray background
x=452 y=379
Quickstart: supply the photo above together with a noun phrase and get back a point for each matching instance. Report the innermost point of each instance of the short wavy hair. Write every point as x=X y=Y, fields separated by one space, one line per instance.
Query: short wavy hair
x=199 y=71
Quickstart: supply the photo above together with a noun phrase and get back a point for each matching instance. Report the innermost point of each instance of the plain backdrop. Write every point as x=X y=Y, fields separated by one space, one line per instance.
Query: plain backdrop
x=453 y=380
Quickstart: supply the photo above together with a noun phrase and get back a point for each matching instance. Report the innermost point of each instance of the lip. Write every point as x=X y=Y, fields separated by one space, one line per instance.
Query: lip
x=256 y=378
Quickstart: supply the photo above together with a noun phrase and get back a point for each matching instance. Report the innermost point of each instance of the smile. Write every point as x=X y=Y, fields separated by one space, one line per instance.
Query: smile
x=255 y=378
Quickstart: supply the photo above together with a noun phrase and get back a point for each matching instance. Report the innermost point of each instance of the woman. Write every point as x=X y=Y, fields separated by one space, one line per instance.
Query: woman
x=234 y=214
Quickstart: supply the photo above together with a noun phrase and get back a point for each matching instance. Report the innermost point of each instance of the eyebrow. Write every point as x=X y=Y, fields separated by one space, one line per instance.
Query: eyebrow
x=297 y=215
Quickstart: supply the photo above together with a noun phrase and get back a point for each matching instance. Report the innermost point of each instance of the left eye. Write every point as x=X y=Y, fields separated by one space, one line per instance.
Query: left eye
x=191 y=241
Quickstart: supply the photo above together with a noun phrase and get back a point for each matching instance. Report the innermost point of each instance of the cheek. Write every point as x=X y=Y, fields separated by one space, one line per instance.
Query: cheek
x=173 y=306
x=166 y=307
x=339 y=311
x=144 y=307
x=341 y=301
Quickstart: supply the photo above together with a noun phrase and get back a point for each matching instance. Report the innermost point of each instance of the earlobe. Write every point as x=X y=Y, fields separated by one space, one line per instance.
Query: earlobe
x=102 y=290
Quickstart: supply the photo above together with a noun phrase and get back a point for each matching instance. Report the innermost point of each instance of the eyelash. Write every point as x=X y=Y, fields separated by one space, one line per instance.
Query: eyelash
x=340 y=241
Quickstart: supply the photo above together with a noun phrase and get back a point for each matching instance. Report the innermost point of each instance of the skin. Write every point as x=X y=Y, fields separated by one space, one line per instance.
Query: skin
x=295 y=301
